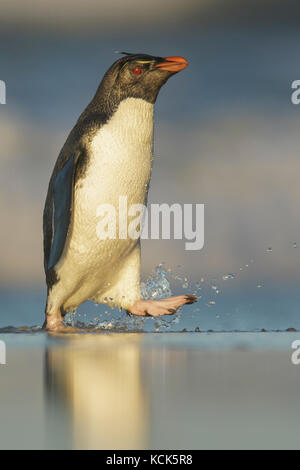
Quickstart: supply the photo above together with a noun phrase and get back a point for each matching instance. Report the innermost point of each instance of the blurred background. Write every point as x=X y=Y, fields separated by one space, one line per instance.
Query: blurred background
x=226 y=135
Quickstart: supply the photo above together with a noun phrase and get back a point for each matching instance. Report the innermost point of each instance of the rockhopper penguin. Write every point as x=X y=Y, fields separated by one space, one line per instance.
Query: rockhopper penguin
x=108 y=154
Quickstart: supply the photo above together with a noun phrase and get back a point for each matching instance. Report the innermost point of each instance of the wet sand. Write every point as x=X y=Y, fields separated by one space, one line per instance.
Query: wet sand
x=157 y=391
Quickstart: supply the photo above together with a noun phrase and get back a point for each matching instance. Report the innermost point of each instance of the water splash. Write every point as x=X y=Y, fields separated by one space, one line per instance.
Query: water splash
x=164 y=282
x=157 y=286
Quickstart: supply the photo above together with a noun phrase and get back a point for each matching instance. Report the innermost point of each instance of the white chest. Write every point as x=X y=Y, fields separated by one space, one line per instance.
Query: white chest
x=120 y=156
x=119 y=164
x=120 y=161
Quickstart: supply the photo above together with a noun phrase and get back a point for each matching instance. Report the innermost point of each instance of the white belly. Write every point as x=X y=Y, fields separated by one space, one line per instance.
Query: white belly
x=119 y=165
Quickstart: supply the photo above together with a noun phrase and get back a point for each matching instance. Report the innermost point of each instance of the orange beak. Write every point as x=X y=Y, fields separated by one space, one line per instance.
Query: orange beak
x=172 y=64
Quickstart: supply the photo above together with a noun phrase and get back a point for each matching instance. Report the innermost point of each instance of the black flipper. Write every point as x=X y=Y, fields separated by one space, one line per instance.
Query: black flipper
x=62 y=199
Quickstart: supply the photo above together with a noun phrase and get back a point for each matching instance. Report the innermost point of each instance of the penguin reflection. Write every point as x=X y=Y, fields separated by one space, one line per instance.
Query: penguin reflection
x=96 y=383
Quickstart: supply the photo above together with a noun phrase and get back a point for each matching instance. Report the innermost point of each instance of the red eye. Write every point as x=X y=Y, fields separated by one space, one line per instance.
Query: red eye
x=137 y=71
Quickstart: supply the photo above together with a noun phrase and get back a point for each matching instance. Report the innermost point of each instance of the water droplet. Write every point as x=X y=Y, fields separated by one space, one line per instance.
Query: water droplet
x=259 y=286
x=294 y=245
x=185 y=285
x=214 y=287
x=211 y=302
x=269 y=250
x=228 y=276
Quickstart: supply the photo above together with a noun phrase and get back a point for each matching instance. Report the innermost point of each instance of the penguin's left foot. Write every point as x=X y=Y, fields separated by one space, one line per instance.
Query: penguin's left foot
x=55 y=324
x=156 y=308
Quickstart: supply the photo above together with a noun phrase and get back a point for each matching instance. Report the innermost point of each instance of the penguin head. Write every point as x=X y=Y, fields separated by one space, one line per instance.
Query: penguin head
x=139 y=76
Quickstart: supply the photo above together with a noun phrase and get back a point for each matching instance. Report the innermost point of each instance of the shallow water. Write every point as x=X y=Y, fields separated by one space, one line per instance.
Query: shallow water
x=137 y=391
x=235 y=308
x=123 y=386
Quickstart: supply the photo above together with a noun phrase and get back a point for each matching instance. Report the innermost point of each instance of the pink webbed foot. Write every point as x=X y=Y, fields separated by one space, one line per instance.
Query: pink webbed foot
x=55 y=324
x=156 y=308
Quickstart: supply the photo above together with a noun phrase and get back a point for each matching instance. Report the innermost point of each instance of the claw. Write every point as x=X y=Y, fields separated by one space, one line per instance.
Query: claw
x=191 y=299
